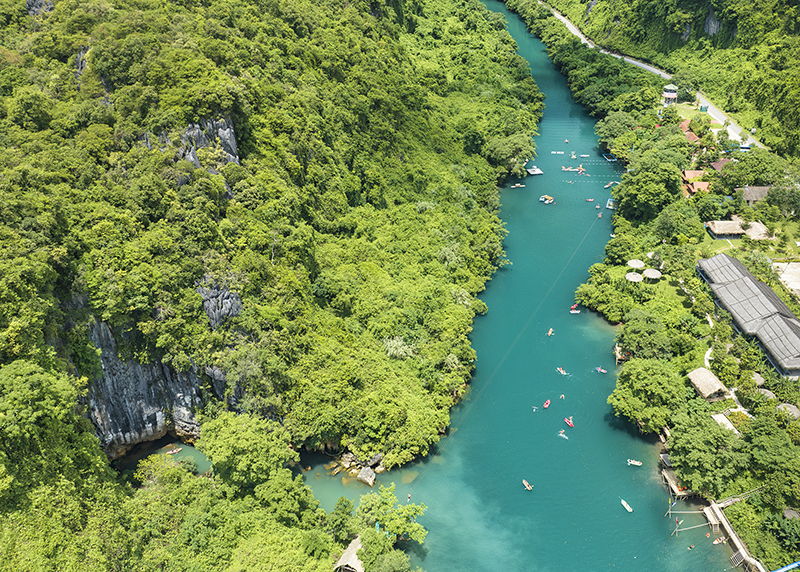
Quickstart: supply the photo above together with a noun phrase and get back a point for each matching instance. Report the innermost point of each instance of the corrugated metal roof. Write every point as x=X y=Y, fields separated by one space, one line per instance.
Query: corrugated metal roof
x=757 y=309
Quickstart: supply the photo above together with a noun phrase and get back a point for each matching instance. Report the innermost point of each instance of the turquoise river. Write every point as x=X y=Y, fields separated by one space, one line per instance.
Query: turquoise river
x=479 y=516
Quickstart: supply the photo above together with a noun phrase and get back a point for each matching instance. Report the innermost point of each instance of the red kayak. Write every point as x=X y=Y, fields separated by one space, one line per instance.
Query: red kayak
x=568 y=421
x=547 y=404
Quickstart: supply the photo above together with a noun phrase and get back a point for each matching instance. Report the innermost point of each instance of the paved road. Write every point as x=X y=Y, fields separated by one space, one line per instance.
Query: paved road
x=735 y=132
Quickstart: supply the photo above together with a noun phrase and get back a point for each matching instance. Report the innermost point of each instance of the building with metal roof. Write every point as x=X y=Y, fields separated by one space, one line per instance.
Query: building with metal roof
x=756 y=309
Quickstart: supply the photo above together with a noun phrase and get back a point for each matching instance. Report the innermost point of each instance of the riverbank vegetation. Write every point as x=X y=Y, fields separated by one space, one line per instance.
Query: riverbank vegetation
x=354 y=216
x=742 y=55
x=668 y=327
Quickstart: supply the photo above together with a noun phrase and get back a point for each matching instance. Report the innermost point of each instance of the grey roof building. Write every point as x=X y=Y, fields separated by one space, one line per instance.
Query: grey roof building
x=757 y=311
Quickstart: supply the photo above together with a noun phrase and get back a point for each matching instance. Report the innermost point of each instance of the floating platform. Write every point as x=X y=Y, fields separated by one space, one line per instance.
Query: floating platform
x=535 y=171
x=611 y=204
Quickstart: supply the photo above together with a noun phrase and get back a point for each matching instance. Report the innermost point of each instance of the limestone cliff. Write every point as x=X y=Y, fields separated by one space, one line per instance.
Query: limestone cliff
x=132 y=403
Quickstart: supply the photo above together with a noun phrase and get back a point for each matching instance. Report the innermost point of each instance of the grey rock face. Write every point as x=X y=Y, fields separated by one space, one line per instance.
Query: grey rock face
x=377 y=458
x=712 y=25
x=367 y=476
x=36 y=7
x=219 y=303
x=199 y=135
x=132 y=403
x=80 y=62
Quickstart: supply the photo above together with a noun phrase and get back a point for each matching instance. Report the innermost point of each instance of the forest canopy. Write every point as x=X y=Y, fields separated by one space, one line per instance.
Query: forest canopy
x=347 y=197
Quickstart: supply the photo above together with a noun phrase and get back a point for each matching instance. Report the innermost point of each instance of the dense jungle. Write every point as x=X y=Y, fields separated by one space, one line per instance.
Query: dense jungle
x=332 y=167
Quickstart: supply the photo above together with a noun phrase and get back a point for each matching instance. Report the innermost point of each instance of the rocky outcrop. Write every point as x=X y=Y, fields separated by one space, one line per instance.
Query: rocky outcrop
x=364 y=471
x=205 y=133
x=712 y=26
x=81 y=63
x=132 y=403
x=219 y=303
x=36 y=7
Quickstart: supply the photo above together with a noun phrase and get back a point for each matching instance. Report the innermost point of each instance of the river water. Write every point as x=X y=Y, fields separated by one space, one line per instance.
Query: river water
x=479 y=515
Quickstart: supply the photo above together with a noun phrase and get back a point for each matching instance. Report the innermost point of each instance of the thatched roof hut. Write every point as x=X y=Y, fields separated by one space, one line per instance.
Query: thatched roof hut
x=349 y=561
x=725 y=228
x=707 y=384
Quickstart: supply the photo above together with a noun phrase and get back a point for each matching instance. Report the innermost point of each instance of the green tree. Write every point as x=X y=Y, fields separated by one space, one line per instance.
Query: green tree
x=244 y=449
x=647 y=391
x=707 y=456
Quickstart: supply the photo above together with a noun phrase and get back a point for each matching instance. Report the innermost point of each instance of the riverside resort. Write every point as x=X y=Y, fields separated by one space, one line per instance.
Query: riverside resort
x=414 y=285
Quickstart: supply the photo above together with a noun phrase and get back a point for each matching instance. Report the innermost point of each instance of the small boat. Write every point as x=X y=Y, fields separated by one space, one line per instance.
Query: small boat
x=720 y=540
x=599 y=369
x=546 y=199
x=572 y=155
x=584 y=156
x=574 y=311
x=534 y=170
x=547 y=404
x=527 y=485
x=589 y=200
x=550 y=332
x=626 y=505
x=561 y=434
x=599 y=215
x=634 y=462
x=175 y=450
x=561 y=371
x=613 y=235
x=568 y=421
x=597 y=206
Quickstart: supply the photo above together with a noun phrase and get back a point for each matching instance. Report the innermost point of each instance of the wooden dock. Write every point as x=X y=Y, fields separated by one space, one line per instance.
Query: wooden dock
x=668 y=478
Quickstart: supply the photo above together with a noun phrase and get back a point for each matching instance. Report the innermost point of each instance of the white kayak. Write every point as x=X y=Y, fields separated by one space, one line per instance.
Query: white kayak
x=626 y=505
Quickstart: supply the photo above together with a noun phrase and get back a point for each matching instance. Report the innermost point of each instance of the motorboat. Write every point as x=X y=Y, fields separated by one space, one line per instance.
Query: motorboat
x=599 y=369
x=720 y=540
x=546 y=404
x=568 y=421
x=550 y=332
x=626 y=505
x=527 y=485
x=634 y=462
x=546 y=199
x=534 y=170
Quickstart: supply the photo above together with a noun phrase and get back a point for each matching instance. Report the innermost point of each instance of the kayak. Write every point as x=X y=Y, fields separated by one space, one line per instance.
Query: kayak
x=561 y=371
x=547 y=404
x=600 y=370
x=626 y=505
x=568 y=421
x=527 y=484
x=634 y=462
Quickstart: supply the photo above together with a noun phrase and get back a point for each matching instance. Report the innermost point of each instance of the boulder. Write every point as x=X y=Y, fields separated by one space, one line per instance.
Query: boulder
x=348 y=460
x=376 y=459
x=367 y=476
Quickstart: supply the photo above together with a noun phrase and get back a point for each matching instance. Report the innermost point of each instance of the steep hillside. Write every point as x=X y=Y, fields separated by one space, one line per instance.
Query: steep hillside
x=276 y=212
x=742 y=54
